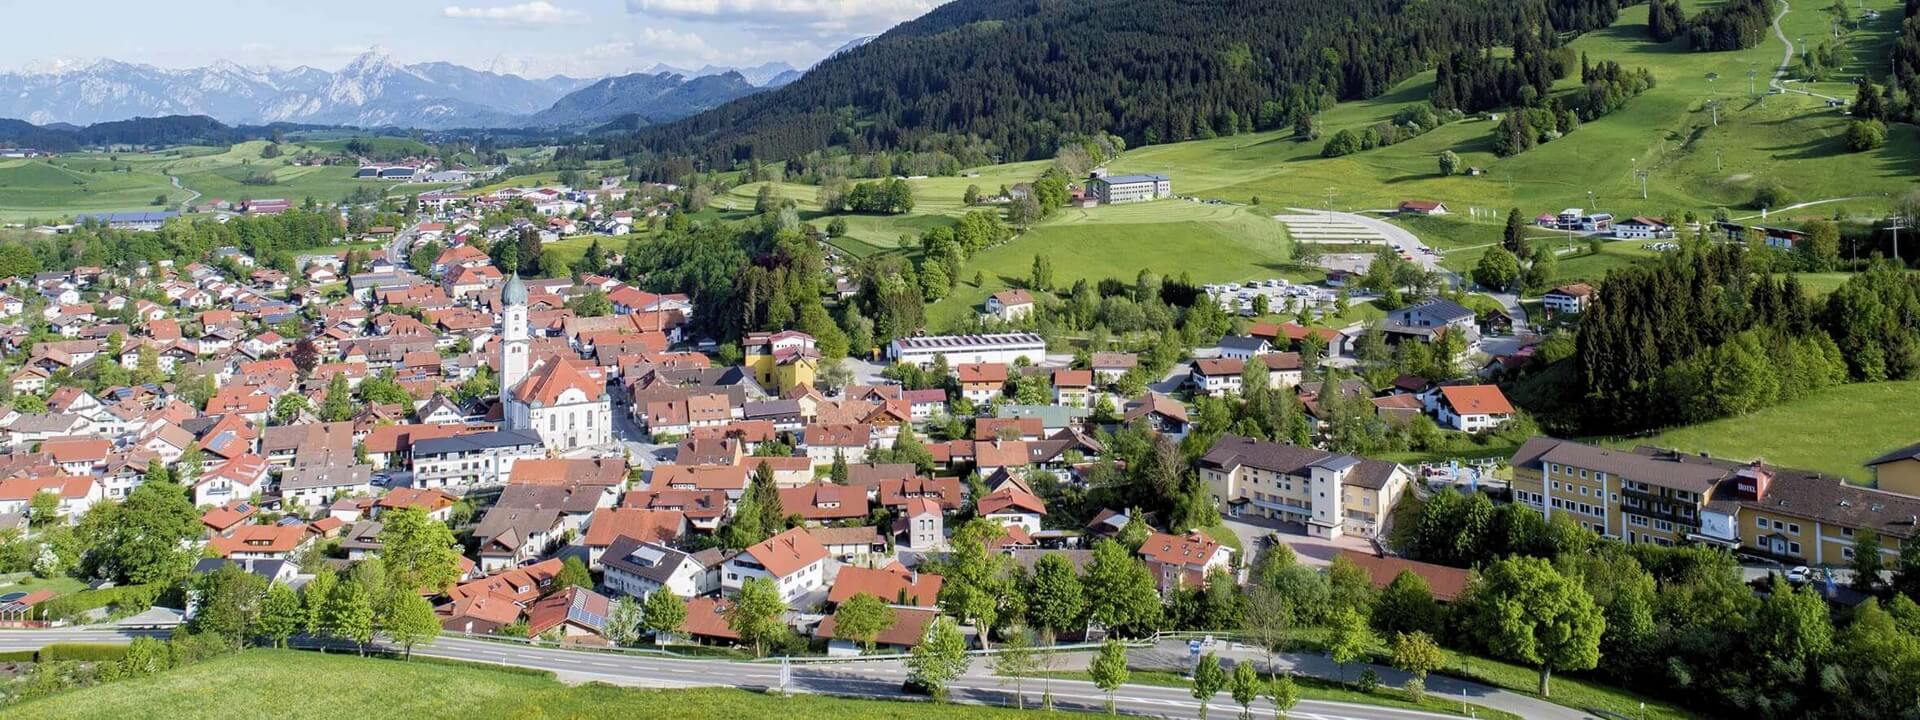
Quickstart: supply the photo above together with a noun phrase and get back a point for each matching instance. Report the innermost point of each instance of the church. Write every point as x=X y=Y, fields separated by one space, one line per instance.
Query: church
x=567 y=406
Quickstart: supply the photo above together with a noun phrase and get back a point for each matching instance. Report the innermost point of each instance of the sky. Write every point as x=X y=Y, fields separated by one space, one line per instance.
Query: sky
x=530 y=37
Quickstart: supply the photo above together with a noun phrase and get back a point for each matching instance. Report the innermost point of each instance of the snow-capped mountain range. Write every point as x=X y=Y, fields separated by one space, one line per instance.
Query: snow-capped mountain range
x=371 y=91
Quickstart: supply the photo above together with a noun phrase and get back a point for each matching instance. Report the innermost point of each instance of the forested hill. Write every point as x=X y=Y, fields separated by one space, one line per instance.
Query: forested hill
x=1020 y=74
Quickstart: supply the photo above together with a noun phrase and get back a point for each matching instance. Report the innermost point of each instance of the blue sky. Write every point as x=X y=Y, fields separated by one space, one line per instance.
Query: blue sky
x=534 y=37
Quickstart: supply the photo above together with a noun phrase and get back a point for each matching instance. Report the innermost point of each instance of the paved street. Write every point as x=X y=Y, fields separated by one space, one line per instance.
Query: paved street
x=881 y=678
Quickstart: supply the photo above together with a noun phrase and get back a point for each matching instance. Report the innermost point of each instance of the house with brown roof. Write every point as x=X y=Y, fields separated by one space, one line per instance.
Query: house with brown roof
x=1012 y=505
x=981 y=382
x=794 y=560
x=260 y=542
x=640 y=568
x=893 y=584
x=1179 y=561
x=1009 y=305
x=822 y=503
x=1332 y=494
x=1472 y=408
x=1446 y=583
x=822 y=443
x=909 y=625
x=1572 y=298
x=609 y=525
x=576 y=614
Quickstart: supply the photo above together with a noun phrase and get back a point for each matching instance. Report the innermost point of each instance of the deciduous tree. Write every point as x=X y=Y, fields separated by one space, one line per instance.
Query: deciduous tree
x=940 y=657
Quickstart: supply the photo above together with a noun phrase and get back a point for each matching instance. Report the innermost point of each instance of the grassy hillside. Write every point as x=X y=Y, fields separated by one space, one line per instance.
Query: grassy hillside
x=1833 y=432
x=293 y=685
x=1213 y=243
x=1792 y=139
x=46 y=188
x=37 y=188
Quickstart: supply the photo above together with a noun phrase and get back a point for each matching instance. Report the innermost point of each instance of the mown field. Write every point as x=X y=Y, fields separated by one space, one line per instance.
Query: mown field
x=47 y=188
x=1833 y=432
x=1212 y=243
x=294 y=685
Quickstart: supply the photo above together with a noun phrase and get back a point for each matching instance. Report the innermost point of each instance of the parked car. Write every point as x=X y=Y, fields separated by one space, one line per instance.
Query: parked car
x=1799 y=575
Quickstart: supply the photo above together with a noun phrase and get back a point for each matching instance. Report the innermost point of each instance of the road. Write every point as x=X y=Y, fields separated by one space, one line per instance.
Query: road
x=1786 y=59
x=881 y=678
x=187 y=203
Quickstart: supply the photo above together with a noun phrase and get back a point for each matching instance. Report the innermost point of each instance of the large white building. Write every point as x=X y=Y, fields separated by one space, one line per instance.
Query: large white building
x=566 y=405
x=473 y=460
x=1115 y=189
x=967 y=349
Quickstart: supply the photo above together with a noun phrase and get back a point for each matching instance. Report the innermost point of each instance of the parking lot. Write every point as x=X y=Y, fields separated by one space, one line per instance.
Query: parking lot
x=1282 y=296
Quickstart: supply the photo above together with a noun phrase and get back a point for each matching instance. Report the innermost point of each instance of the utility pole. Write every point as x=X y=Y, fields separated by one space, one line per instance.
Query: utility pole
x=1716 y=160
x=1642 y=174
x=1751 y=75
x=1896 y=227
x=1329 y=203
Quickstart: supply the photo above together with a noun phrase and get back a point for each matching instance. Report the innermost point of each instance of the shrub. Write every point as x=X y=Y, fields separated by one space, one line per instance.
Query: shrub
x=82 y=651
x=1864 y=135
x=1771 y=195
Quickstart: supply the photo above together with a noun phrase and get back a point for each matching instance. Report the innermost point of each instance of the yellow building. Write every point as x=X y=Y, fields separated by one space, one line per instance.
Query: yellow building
x=1651 y=495
x=781 y=361
x=1898 y=471
x=1331 y=494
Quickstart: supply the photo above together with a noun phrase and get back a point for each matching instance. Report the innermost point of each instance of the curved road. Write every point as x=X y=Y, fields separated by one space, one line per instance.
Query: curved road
x=1786 y=59
x=879 y=678
x=1429 y=261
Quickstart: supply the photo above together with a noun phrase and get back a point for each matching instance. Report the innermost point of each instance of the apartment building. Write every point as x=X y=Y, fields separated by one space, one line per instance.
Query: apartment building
x=1331 y=493
x=1659 y=496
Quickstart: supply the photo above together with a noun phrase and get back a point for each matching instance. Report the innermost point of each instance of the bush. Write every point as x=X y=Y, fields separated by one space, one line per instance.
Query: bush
x=1368 y=682
x=82 y=651
x=1771 y=195
x=1864 y=135
x=121 y=600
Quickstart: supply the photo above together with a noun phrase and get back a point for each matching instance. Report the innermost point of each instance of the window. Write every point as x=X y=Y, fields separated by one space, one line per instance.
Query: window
x=1583 y=474
x=1777 y=525
x=1847 y=532
x=1793 y=548
x=1760 y=523
x=1846 y=552
x=1793 y=528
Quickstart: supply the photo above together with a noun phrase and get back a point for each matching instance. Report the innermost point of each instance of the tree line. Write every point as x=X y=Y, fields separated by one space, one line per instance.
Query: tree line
x=1036 y=72
x=1704 y=334
x=1676 y=622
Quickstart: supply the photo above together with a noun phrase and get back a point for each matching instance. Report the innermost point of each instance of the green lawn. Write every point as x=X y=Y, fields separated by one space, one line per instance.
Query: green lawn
x=1694 y=164
x=294 y=685
x=1212 y=243
x=48 y=188
x=1568 y=690
x=1832 y=432
x=1311 y=688
x=59 y=585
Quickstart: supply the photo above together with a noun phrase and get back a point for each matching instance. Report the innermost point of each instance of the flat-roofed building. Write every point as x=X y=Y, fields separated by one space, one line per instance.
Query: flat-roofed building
x=964 y=349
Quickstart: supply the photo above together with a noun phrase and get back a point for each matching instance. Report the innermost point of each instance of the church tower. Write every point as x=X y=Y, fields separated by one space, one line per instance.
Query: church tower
x=514 y=345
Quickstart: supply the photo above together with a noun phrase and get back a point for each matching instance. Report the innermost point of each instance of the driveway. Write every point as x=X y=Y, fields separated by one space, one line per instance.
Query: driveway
x=1311 y=551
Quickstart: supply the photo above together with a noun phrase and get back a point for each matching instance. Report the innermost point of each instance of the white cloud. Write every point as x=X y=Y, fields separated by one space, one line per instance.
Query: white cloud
x=537 y=12
x=863 y=15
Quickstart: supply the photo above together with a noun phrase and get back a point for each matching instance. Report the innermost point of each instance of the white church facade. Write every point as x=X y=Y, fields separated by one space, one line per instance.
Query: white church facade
x=567 y=405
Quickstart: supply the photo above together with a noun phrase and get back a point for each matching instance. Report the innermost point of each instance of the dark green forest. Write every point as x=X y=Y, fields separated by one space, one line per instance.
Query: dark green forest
x=1008 y=78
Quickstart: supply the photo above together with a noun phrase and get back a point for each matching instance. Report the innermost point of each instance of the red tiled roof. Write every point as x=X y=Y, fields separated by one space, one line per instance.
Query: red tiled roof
x=609 y=524
x=788 y=552
x=893 y=584
x=1476 y=399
